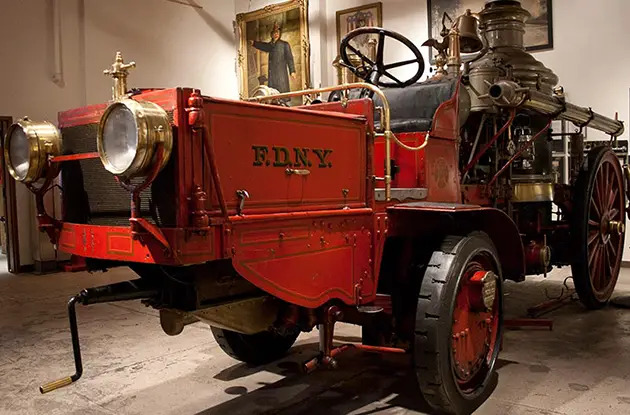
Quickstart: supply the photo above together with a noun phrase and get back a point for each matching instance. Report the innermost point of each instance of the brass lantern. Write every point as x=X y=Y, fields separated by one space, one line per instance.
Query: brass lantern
x=27 y=147
x=128 y=137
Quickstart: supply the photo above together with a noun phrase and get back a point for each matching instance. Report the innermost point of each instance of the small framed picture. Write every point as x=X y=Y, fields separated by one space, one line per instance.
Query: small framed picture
x=538 y=29
x=369 y=15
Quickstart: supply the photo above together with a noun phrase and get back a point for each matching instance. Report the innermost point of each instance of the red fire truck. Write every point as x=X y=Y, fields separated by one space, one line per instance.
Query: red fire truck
x=397 y=205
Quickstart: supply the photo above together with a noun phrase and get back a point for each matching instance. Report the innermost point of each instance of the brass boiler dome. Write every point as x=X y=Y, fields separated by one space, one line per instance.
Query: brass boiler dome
x=503 y=24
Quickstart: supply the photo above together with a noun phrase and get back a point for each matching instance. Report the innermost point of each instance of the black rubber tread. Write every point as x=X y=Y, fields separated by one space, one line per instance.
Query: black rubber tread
x=434 y=323
x=579 y=228
x=254 y=349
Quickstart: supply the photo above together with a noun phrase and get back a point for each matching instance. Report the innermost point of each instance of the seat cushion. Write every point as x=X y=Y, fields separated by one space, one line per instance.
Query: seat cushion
x=412 y=108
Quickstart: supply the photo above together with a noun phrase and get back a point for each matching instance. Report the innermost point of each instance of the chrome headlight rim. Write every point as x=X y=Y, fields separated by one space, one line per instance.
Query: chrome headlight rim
x=44 y=140
x=152 y=127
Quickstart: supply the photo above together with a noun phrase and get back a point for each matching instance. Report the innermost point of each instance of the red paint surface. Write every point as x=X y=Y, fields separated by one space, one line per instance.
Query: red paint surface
x=300 y=238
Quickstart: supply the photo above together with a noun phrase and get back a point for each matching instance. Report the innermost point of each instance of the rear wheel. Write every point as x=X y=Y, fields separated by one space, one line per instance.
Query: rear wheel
x=598 y=227
x=254 y=349
x=459 y=324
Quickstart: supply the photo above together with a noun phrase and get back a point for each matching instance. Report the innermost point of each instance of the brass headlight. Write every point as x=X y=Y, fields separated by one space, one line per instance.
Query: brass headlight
x=128 y=135
x=27 y=147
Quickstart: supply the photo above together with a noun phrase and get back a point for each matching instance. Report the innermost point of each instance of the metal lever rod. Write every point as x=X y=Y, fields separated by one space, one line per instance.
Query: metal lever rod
x=76 y=349
x=121 y=291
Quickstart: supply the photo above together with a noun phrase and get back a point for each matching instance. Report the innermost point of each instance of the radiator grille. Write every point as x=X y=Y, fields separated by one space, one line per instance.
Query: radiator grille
x=87 y=186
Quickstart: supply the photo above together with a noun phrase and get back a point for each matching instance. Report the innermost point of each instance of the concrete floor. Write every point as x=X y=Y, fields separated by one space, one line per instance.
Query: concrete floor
x=132 y=367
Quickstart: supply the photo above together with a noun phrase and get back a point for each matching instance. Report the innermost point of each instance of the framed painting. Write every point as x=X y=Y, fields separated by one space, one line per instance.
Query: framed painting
x=538 y=31
x=274 y=48
x=368 y=15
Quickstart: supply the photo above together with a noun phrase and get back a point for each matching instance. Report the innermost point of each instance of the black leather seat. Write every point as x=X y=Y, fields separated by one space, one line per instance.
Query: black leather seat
x=413 y=108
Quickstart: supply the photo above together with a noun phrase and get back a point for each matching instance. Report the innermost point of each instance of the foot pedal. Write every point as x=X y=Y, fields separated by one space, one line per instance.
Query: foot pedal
x=369 y=309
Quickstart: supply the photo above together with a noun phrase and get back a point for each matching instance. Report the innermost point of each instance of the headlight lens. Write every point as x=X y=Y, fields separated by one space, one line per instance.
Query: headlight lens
x=128 y=136
x=27 y=148
x=121 y=138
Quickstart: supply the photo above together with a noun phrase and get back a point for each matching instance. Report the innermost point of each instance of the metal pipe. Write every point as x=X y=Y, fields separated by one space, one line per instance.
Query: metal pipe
x=474 y=147
x=510 y=94
x=489 y=143
x=519 y=152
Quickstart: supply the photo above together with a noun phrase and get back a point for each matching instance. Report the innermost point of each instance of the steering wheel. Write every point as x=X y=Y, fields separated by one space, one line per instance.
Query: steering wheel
x=372 y=71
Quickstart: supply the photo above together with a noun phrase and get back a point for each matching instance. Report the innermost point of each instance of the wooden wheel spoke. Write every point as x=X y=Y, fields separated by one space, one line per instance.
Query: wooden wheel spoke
x=595 y=208
x=612 y=195
x=592 y=237
x=612 y=249
x=610 y=261
x=613 y=213
x=592 y=254
x=599 y=191
x=593 y=223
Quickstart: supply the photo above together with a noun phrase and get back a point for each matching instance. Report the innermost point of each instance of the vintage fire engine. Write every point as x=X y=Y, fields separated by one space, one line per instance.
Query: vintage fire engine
x=395 y=205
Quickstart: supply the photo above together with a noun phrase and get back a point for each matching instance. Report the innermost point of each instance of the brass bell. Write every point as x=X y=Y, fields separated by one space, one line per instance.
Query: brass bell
x=467 y=28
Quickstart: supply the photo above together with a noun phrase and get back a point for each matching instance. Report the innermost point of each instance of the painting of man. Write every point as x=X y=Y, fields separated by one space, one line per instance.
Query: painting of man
x=281 y=63
x=274 y=49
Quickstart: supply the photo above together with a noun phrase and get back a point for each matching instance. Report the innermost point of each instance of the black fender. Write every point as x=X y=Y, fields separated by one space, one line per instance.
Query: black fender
x=433 y=221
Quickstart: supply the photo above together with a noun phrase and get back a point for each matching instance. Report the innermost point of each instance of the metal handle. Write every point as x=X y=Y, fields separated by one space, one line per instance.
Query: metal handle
x=300 y=172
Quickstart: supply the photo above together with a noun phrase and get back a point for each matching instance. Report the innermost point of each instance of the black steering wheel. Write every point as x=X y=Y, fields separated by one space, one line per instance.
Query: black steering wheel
x=372 y=71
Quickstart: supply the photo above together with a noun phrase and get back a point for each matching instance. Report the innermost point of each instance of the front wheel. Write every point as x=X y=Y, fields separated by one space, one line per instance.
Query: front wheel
x=254 y=349
x=459 y=324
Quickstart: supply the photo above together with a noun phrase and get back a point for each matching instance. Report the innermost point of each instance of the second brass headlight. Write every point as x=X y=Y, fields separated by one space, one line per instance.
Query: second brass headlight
x=27 y=147
x=128 y=136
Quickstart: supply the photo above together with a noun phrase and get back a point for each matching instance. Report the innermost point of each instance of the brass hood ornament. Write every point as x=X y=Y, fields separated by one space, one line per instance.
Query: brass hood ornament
x=119 y=72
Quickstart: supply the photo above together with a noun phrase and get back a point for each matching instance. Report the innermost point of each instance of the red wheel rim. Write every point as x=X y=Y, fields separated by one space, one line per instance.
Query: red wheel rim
x=605 y=227
x=474 y=332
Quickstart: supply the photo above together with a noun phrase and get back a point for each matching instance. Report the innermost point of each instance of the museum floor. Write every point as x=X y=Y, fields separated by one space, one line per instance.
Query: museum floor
x=131 y=367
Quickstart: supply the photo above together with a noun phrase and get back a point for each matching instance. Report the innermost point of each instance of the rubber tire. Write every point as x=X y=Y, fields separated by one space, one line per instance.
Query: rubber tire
x=433 y=328
x=579 y=229
x=254 y=349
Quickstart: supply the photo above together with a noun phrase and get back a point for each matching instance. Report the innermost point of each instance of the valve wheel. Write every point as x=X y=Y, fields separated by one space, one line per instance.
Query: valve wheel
x=459 y=324
x=598 y=227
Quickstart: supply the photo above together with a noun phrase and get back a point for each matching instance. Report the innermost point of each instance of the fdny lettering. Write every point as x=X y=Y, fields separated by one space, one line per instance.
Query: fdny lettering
x=295 y=157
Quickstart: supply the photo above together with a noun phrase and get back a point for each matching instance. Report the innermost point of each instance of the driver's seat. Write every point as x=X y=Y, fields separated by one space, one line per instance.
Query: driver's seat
x=413 y=108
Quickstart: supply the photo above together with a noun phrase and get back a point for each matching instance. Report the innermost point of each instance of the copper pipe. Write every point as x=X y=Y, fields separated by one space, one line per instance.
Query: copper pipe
x=209 y=148
x=492 y=140
x=519 y=152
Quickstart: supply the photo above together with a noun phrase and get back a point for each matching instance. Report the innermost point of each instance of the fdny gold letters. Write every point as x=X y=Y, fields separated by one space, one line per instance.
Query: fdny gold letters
x=291 y=157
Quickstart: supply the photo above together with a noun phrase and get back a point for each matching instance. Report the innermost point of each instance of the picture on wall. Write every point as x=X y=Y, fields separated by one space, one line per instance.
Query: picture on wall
x=274 y=48
x=538 y=32
x=368 y=15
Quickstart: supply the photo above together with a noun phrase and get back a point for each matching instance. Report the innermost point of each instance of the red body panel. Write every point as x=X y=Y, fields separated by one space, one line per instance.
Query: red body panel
x=255 y=145
x=309 y=258
x=117 y=244
x=307 y=235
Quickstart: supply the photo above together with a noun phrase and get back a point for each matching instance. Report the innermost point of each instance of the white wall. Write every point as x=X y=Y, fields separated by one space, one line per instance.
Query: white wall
x=181 y=45
x=172 y=44
x=27 y=88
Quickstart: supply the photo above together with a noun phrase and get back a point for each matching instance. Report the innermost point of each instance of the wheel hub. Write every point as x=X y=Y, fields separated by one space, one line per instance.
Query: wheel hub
x=475 y=322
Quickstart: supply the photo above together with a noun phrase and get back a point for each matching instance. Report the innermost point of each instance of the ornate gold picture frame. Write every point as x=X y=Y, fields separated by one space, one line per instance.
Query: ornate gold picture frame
x=274 y=48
